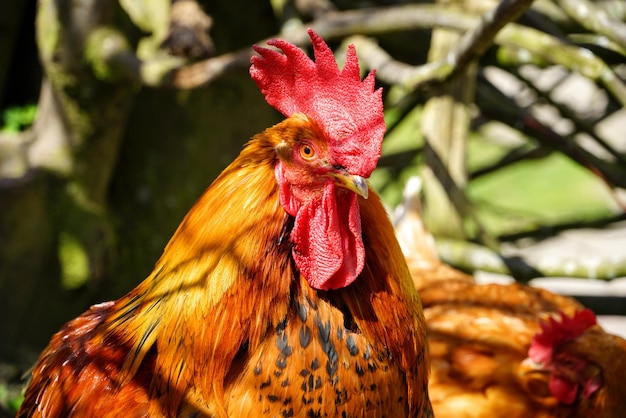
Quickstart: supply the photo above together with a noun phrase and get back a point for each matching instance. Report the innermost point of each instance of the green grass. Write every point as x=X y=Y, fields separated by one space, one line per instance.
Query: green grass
x=10 y=399
x=549 y=191
x=531 y=193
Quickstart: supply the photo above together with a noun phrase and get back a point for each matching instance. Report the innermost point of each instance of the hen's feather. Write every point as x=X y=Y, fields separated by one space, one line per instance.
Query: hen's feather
x=479 y=337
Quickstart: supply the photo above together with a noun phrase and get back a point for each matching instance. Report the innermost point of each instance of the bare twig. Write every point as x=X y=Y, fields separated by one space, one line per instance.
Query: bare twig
x=472 y=257
x=554 y=51
x=204 y=72
x=331 y=26
x=393 y=19
x=595 y=19
x=580 y=124
x=521 y=153
x=387 y=69
x=164 y=72
x=497 y=106
x=475 y=42
x=541 y=232
x=543 y=47
x=615 y=8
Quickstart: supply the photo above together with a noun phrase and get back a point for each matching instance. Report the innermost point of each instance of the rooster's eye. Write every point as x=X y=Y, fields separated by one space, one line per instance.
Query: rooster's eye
x=307 y=152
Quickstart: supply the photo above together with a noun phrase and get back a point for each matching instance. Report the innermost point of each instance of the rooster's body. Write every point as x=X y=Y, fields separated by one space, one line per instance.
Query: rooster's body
x=281 y=293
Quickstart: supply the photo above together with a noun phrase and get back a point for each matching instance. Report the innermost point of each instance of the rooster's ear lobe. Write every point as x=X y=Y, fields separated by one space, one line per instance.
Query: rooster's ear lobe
x=283 y=150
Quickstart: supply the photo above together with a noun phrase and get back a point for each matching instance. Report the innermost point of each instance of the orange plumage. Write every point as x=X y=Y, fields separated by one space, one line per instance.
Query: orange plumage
x=228 y=324
x=492 y=354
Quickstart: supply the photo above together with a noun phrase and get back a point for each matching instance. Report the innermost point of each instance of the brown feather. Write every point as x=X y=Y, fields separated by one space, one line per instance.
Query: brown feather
x=479 y=337
x=226 y=326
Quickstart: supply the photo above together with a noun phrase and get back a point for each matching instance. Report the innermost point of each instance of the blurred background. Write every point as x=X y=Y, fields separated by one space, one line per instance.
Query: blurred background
x=115 y=116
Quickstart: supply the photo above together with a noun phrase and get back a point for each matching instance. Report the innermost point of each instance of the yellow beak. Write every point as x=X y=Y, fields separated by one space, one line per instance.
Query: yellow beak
x=351 y=182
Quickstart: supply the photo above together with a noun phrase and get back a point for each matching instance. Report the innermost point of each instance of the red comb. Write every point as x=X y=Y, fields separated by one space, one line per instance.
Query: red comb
x=349 y=110
x=554 y=333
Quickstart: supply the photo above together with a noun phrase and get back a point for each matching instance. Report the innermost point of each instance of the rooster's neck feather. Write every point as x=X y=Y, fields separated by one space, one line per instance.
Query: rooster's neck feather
x=222 y=281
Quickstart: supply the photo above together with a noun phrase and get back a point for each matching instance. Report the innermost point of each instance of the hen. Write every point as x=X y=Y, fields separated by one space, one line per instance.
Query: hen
x=508 y=351
x=283 y=292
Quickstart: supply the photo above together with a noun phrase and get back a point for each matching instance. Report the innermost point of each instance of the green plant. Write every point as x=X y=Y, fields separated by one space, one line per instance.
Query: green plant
x=18 y=118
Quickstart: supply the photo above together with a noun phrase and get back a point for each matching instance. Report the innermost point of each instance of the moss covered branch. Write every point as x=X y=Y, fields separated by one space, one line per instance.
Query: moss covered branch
x=473 y=257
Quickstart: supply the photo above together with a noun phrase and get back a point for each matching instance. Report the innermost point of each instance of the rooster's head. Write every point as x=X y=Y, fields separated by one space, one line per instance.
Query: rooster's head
x=328 y=146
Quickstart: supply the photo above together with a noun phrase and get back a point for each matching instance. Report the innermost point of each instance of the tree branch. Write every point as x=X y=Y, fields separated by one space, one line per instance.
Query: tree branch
x=497 y=106
x=544 y=49
x=162 y=71
x=475 y=42
x=595 y=19
x=332 y=25
x=472 y=257
x=567 y=112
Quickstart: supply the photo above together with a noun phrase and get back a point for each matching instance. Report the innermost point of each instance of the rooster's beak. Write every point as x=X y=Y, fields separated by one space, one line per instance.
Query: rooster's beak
x=351 y=182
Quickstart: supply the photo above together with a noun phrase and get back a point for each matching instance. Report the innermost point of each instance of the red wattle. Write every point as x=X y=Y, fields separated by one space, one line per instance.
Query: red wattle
x=328 y=247
x=564 y=390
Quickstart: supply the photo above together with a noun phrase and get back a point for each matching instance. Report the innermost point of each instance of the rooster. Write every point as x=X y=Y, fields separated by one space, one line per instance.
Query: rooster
x=283 y=292
x=508 y=351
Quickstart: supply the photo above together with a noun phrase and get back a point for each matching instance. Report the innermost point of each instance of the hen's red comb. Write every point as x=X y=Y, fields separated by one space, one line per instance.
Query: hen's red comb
x=555 y=332
x=349 y=110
